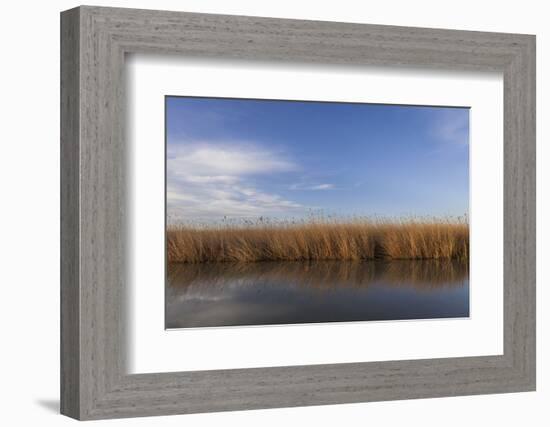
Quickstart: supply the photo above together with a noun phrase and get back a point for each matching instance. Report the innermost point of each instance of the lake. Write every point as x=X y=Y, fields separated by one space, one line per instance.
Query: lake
x=271 y=293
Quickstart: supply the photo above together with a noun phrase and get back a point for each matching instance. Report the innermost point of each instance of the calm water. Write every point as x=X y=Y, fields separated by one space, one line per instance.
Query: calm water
x=270 y=293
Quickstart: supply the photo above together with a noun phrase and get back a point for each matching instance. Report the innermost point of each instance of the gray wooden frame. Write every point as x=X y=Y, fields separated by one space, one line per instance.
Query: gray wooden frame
x=94 y=382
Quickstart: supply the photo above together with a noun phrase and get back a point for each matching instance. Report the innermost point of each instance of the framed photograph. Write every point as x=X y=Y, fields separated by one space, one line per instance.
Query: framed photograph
x=273 y=212
x=261 y=213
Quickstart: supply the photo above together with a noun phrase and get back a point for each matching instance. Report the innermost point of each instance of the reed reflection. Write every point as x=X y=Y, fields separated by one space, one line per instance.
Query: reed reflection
x=425 y=274
x=218 y=294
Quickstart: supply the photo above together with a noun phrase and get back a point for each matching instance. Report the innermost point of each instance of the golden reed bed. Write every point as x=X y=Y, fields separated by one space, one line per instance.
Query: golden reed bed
x=319 y=240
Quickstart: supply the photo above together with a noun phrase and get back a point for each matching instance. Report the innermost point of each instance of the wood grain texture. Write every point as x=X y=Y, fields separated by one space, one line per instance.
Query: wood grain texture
x=70 y=292
x=94 y=231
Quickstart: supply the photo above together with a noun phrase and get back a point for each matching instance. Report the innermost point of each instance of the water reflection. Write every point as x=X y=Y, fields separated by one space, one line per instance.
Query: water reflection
x=223 y=294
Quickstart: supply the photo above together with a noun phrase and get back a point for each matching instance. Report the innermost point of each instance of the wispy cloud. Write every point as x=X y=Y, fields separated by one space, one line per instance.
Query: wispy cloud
x=323 y=187
x=212 y=180
x=452 y=125
x=217 y=160
x=314 y=187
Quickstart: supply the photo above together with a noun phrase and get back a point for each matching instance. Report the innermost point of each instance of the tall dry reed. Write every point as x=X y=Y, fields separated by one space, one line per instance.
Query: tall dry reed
x=320 y=240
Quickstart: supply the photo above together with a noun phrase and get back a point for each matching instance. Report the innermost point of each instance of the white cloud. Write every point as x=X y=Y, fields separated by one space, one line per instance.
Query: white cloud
x=225 y=160
x=314 y=187
x=206 y=179
x=210 y=181
x=323 y=187
x=453 y=126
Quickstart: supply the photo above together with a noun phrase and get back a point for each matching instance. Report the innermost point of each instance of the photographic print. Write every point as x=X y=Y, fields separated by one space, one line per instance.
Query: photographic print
x=293 y=212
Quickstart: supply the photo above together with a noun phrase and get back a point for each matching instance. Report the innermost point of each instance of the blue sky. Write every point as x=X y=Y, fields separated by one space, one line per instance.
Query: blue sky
x=251 y=158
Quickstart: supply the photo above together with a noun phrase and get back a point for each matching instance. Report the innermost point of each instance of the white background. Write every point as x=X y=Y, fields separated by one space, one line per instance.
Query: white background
x=152 y=349
x=29 y=168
